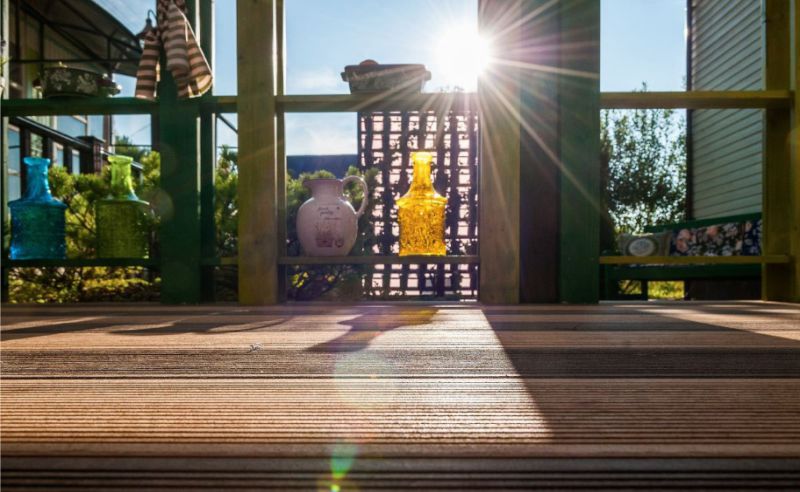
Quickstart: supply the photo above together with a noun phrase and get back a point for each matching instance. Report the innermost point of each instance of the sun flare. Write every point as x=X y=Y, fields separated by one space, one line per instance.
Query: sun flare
x=462 y=55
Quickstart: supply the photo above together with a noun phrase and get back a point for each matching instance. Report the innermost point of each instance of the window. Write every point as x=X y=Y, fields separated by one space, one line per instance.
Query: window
x=74 y=126
x=14 y=164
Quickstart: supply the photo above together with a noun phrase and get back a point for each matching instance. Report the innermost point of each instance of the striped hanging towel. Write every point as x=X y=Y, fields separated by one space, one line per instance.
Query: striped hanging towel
x=185 y=59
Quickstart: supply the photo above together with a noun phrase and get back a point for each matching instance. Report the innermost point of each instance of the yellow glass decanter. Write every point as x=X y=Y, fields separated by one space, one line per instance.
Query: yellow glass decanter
x=421 y=213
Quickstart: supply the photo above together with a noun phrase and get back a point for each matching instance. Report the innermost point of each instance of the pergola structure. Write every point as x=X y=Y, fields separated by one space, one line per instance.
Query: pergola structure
x=539 y=183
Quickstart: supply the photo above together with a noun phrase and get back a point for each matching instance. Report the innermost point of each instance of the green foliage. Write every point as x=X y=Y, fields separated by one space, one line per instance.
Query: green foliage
x=123 y=145
x=80 y=193
x=644 y=159
x=667 y=290
x=225 y=202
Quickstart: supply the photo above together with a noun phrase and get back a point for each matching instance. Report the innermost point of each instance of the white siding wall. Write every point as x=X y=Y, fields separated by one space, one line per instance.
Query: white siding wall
x=727 y=144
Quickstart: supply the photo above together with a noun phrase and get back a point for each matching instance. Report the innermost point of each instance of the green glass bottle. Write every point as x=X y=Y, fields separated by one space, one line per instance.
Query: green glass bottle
x=122 y=226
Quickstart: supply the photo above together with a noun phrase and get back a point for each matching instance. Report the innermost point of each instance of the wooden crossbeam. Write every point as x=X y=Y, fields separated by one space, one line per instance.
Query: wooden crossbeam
x=694 y=260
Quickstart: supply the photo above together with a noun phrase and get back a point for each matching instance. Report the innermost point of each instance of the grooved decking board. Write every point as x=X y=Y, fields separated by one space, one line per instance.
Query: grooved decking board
x=401 y=395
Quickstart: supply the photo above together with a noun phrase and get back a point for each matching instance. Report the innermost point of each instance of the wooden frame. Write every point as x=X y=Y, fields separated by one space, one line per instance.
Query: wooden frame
x=262 y=157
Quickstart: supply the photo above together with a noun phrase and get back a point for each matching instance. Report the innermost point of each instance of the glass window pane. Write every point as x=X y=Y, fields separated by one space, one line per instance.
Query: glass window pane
x=76 y=162
x=58 y=155
x=96 y=126
x=14 y=161
x=14 y=187
x=71 y=125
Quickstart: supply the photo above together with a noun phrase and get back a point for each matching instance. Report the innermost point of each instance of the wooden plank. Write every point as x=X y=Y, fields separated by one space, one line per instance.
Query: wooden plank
x=499 y=105
x=696 y=99
x=539 y=156
x=83 y=262
x=579 y=123
x=776 y=279
x=350 y=103
x=776 y=259
x=280 y=131
x=793 y=174
x=179 y=234
x=160 y=396
x=258 y=244
x=218 y=104
x=45 y=107
x=208 y=155
x=5 y=218
x=379 y=260
x=376 y=102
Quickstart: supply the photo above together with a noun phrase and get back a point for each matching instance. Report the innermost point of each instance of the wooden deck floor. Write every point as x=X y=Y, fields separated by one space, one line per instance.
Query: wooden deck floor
x=418 y=396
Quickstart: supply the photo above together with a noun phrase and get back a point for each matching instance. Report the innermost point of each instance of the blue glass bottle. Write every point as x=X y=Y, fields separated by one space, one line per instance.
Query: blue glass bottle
x=122 y=229
x=37 y=219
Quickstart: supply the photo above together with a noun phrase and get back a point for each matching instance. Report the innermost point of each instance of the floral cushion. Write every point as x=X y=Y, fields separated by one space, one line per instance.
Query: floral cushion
x=728 y=239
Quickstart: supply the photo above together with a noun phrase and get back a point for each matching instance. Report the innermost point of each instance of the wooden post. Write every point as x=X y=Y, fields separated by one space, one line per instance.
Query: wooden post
x=5 y=223
x=793 y=175
x=280 y=142
x=539 y=154
x=579 y=123
x=179 y=130
x=499 y=105
x=776 y=215
x=208 y=154
x=258 y=243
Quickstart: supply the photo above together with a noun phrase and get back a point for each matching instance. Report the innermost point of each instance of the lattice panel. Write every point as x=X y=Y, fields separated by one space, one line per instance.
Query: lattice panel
x=386 y=140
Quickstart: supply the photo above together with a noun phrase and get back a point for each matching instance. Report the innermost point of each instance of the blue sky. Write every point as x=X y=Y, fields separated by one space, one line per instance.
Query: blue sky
x=641 y=41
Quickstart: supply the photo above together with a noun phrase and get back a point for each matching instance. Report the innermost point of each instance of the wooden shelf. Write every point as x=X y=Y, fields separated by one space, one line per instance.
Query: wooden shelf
x=692 y=260
x=111 y=105
x=377 y=102
x=69 y=106
x=378 y=260
x=696 y=100
x=83 y=262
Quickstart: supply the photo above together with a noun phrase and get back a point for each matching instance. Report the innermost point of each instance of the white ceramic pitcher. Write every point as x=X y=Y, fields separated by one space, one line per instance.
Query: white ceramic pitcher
x=327 y=225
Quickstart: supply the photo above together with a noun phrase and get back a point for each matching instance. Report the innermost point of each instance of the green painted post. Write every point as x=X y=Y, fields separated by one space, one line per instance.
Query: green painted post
x=579 y=124
x=181 y=273
x=208 y=142
x=5 y=235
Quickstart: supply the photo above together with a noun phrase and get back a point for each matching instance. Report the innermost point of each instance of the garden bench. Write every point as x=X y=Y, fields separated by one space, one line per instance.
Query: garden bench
x=715 y=248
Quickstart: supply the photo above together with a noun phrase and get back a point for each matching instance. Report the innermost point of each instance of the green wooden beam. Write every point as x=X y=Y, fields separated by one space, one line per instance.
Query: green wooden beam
x=499 y=103
x=579 y=124
x=208 y=151
x=539 y=160
x=67 y=106
x=793 y=175
x=776 y=279
x=5 y=233
x=179 y=143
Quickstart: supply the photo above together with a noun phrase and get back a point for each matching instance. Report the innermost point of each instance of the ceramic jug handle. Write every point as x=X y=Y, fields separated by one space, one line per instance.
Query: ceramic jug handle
x=364 y=188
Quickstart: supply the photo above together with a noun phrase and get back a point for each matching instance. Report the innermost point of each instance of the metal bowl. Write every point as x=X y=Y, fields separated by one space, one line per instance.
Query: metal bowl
x=371 y=77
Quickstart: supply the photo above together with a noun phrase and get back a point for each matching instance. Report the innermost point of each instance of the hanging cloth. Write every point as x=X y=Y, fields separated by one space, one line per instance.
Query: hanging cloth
x=185 y=59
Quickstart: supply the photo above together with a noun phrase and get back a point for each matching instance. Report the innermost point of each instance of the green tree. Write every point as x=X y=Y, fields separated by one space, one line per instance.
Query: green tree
x=644 y=161
x=123 y=145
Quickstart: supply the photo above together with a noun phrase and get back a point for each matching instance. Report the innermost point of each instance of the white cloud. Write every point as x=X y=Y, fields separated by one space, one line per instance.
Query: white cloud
x=321 y=134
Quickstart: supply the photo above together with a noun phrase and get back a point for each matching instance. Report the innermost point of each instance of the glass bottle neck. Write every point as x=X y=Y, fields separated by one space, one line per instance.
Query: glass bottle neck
x=37 y=187
x=121 y=178
x=421 y=181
